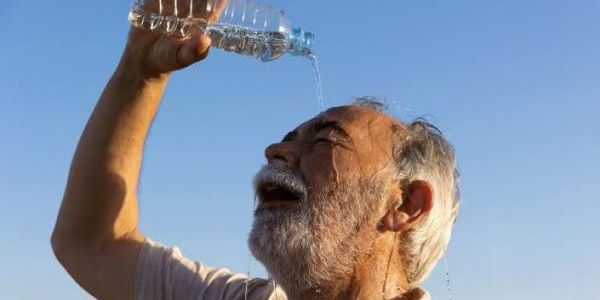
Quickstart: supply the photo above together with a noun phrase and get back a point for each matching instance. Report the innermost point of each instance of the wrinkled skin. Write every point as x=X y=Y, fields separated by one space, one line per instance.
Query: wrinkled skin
x=327 y=246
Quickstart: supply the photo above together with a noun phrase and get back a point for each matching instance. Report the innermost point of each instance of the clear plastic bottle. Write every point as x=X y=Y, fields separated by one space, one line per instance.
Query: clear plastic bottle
x=243 y=27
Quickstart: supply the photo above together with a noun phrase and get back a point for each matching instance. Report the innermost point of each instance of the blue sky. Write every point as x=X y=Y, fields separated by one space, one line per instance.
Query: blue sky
x=514 y=85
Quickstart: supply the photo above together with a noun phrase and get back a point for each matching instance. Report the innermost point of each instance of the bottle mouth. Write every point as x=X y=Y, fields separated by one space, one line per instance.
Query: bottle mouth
x=302 y=42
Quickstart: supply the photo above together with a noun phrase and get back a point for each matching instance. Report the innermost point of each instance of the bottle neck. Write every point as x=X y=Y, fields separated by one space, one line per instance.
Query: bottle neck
x=301 y=42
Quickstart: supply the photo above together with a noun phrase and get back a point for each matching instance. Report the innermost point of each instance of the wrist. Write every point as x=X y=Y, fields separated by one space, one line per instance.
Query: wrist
x=131 y=84
x=132 y=69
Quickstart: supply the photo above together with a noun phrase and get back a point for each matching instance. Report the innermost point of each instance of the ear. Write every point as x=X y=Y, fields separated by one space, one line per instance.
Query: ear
x=413 y=204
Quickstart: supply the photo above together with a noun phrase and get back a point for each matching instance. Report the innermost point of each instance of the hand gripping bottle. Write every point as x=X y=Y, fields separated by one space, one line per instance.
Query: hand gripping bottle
x=238 y=26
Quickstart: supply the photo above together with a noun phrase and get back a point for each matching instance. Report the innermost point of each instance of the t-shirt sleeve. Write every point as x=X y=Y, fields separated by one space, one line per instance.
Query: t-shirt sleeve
x=163 y=273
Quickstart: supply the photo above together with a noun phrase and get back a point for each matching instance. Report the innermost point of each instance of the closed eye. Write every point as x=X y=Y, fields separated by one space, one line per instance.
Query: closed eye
x=332 y=142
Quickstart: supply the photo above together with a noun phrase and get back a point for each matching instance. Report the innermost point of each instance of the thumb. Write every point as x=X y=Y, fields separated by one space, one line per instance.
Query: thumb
x=194 y=49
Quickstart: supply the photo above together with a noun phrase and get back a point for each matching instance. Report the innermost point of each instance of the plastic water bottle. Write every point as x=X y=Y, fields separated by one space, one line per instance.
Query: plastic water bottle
x=243 y=27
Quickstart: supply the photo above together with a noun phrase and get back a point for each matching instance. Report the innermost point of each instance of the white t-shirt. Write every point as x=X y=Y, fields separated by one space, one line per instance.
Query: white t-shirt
x=165 y=274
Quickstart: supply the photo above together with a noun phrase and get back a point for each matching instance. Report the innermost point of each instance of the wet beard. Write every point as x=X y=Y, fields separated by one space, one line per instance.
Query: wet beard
x=312 y=247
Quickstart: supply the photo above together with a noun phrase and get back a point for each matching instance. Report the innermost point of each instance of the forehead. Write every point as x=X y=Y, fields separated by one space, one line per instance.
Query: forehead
x=356 y=120
x=369 y=137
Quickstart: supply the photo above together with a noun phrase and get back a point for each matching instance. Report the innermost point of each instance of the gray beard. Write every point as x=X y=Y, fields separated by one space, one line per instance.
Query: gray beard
x=314 y=245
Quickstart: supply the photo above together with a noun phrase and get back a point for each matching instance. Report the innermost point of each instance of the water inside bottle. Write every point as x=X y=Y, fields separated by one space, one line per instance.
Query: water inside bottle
x=265 y=46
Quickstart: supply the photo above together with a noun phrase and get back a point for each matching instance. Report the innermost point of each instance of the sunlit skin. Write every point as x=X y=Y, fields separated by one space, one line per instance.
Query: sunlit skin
x=339 y=143
x=96 y=237
x=355 y=142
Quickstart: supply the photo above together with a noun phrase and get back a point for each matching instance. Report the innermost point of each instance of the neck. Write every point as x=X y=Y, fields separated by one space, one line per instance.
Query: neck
x=380 y=275
x=377 y=275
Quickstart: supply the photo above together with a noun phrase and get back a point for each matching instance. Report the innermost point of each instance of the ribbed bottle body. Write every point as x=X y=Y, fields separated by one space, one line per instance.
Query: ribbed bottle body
x=241 y=26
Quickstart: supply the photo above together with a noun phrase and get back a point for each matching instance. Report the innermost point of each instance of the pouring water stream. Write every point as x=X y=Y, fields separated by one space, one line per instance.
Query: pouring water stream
x=319 y=84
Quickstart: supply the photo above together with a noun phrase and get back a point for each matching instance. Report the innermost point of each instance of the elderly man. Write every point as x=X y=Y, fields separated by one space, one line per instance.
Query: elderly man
x=353 y=204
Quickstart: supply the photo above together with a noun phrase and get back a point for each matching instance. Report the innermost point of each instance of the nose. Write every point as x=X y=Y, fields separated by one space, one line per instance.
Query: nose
x=282 y=151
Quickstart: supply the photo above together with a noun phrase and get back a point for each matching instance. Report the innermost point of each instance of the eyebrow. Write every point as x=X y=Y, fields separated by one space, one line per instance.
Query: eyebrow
x=317 y=127
x=290 y=136
x=334 y=125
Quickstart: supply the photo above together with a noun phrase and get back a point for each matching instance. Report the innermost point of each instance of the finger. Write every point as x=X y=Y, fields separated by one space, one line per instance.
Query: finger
x=194 y=49
x=180 y=8
x=216 y=10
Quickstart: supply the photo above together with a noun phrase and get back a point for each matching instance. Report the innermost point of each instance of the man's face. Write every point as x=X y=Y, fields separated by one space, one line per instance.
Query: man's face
x=322 y=194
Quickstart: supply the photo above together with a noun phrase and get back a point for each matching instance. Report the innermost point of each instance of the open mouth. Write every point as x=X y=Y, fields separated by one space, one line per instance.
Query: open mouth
x=271 y=194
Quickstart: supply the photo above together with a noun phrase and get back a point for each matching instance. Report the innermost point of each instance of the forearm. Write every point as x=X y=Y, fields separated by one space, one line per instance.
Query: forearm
x=100 y=203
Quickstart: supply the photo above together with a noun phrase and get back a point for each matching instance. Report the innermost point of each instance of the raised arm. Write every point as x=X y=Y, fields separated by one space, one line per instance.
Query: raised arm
x=96 y=237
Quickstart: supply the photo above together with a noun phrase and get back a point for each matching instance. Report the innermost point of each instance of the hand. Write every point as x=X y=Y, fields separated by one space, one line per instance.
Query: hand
x=153 y=53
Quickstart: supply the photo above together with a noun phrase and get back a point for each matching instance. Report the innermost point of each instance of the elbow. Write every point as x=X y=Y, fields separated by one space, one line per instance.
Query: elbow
x=59 y=240
x=63 y=246
x=67 y=251
x=59 y=247
x=65 y=241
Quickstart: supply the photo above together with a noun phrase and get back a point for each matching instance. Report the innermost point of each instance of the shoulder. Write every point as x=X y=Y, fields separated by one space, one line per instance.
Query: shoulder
x=165 y=270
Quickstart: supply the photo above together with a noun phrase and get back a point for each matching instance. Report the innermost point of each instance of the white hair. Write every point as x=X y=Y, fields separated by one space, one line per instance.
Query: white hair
x=422 y=153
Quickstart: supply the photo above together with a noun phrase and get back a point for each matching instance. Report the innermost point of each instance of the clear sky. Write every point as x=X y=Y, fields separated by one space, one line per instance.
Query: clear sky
x=514 y=85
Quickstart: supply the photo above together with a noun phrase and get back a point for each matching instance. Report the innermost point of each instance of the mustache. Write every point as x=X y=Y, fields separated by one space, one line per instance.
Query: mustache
x=281 y=174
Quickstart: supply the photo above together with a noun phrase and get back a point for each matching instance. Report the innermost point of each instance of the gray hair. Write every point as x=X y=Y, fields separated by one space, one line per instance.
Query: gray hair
x=424 y=154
